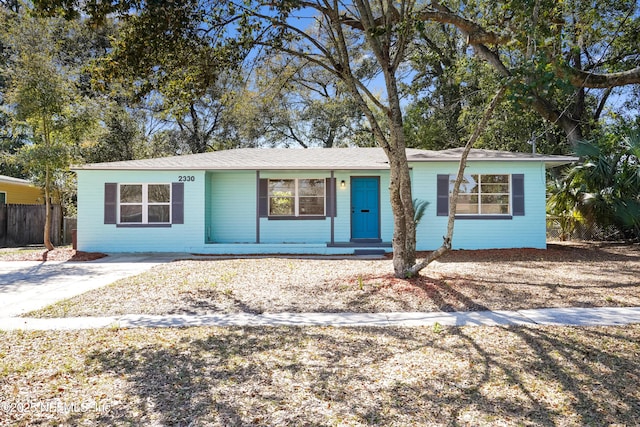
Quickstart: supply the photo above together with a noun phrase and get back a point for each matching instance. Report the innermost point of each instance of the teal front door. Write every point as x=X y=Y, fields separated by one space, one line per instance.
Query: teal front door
x=365 y=208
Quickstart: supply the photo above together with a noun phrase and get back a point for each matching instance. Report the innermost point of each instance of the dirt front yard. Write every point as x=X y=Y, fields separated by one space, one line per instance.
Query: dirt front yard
x=265 y=376
x=564 y=275
x=472 y=376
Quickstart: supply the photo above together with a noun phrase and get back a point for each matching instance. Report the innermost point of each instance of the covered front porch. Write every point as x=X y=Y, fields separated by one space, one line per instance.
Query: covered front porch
x=348 y=217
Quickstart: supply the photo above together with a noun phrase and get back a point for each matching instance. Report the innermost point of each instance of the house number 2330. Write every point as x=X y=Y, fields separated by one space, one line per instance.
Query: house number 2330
x=186 y=178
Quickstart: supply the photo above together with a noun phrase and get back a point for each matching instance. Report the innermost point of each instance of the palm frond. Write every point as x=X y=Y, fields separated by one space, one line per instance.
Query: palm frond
x=419 y=207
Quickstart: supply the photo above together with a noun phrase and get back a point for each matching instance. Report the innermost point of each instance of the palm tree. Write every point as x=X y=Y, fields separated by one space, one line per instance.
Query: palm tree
x=562 y=204
x=605 y=188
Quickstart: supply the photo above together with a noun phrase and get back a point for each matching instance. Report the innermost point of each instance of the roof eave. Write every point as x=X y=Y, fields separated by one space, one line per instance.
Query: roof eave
x=261 y=168
x=556 y=161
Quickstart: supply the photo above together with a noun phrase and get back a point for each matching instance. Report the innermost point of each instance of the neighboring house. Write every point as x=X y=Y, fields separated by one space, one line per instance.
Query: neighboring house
x=19 y=192
x=306 y=201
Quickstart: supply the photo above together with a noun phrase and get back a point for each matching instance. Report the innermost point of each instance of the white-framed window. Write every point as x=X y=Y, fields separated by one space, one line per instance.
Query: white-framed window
x=483 y=194
x=144 y=203
x=297 y=197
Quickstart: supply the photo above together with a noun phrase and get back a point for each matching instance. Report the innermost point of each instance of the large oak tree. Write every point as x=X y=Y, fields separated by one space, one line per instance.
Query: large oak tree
x=528 y=43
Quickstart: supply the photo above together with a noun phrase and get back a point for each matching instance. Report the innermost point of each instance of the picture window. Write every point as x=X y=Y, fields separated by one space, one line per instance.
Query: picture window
x=483 y=194
x=144 y=203
x=296 y=197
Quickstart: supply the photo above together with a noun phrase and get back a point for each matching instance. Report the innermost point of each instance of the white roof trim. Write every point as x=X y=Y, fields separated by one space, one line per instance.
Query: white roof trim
x=12 y=180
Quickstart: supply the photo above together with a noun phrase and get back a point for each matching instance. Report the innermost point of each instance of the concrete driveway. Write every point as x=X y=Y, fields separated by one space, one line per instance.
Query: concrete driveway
x=30 y=285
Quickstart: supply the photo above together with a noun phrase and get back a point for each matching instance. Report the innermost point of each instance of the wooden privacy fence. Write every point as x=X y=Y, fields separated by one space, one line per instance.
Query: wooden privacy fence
x=24 y=224
x=68 y=225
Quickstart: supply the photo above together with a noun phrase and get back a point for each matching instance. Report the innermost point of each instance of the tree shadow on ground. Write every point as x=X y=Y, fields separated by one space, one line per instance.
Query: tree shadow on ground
x=419 y=293
x=372 y=376
x=213 y=301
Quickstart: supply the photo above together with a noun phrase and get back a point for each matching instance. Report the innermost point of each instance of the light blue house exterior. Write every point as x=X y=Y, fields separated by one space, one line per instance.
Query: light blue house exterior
x=313 y=201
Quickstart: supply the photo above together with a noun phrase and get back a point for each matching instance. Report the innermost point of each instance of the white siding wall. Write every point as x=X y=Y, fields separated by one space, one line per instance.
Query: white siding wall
x=220 y=207
x=520 y=231
x=232 y=204
x=94 y=235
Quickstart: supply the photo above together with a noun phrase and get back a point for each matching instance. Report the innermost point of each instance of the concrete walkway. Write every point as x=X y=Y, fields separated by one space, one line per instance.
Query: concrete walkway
x=550 y=316
x=30 y=285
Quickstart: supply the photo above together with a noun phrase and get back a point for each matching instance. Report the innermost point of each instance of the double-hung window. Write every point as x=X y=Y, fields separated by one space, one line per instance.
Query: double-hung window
x=144 y=203
x=296 y=197
x=483 y=194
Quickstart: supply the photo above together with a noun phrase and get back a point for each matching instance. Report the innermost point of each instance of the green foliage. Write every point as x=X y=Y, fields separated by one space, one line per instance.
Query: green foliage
x=448 y=99
x=39 y=94
x=36 y=158
x=419 y=207
x=188 y=76
x=442 y=87
x=562 y=206
x=45 y=105
x=12 y=139
x=301 y=105
x=185 y=63
x=604 y=189
x=119 y=139
x=546 y=39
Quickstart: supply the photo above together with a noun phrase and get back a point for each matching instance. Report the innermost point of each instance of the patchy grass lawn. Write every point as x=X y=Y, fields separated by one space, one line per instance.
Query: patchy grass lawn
x=323 y=376
x=475 y=376
x=565 y=275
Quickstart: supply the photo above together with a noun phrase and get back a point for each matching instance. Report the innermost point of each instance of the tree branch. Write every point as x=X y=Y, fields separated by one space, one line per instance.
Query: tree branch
x=474 y=32
x=446 y=244
x=601 y=104
x=590 y=80
x=478 y=37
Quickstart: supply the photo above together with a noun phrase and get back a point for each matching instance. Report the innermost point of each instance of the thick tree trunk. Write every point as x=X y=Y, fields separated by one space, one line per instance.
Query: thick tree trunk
x=404 y=230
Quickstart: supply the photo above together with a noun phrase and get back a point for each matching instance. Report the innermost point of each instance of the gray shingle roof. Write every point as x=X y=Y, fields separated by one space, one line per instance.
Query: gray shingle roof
x=309 y=159
x=476 y=154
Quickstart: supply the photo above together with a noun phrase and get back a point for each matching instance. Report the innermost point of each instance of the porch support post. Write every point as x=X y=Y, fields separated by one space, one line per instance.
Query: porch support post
x=257 y=206
x=333 y=217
